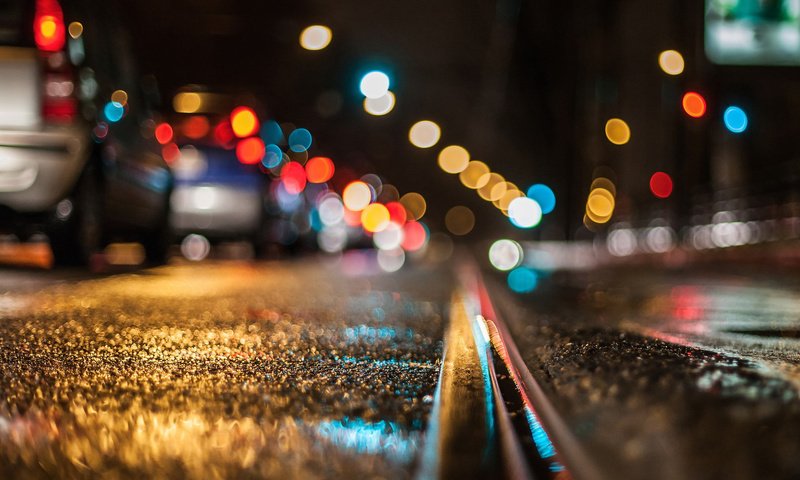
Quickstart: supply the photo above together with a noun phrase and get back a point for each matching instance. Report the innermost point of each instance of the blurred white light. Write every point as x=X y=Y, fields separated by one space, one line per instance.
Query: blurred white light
x=375 y=84
x=389 y=238
x=391 y=260
x=621 y=243
x=381 y=105
x=505 y=254
x=315 y=37
x=332 y=239
x=204 y=198
x=660 y=239
x=524 y=212
x=191 y=163
x=424 y=134
x=331 y=210
x=195 y=247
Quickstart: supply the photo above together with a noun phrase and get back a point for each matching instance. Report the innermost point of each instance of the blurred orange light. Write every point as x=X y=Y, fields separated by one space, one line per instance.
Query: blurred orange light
x=694 y=104
x=375 y=217
x=397 y=212
x=244 y=121
x=414 y=236
x=356 y=196
x=163 y=133
x=250 y=150
x=414 y=204
x=196 y=127
x=352 y=218
x=319 y=169
x=293 y=176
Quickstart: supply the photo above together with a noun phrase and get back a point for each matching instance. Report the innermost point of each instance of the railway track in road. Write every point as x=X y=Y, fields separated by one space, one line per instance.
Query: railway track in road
x=514 y=431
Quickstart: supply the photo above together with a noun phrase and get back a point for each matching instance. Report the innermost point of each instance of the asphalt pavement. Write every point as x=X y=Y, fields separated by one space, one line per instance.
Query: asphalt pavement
x=303 y=369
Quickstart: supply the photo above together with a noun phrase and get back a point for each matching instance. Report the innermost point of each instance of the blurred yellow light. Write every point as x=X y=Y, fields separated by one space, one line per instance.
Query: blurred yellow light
x=356 y=196
x=605 y=183
x=498 y=190
x=671 y=62
x=47 y=27
x=244 y=122
x=75 y=29
x=424 y=134
x=453 y=159
x=459 y=220
x=600 y=205
x=487 y=191
x=315 y=37
x=375 y=217
x=379 y=106
x=512 y=192
x=120 y=97
x=187 y=102
x=474 y=174
x=617 y=131
x=414 y=204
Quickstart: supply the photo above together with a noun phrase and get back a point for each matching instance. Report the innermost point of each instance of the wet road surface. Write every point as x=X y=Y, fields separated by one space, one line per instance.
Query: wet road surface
x=293 y=370
x=673 y=375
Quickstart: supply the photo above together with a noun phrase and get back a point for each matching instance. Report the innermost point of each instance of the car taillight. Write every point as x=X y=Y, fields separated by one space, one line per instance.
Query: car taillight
x=58 y=87
x=48 y=26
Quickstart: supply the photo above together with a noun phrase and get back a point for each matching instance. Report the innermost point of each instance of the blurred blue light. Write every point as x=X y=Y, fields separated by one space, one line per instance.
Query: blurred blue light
x=544 y=196
x=113 y=111
x=272 y=156
x=735 y=119
x=300 y=140
x=271 y=133
x=522 y=280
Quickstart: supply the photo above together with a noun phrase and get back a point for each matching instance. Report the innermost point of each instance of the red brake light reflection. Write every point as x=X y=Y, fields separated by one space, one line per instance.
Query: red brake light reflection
x=48 y=26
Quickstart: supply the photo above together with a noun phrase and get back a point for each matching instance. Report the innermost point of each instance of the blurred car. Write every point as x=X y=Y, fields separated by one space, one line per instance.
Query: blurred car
x=74 y=161
x=219 y=190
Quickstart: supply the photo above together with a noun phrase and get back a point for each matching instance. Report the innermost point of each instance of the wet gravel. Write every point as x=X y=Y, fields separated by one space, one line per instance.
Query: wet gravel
x=648 y=408
x=292 y=370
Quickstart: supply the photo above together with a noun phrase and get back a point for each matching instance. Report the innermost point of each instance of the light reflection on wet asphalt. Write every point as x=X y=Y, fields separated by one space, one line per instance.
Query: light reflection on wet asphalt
x=220 y=371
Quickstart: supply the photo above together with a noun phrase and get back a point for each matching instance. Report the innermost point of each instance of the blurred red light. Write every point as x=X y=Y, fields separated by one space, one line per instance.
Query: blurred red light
x=319 y=169
x=397 y=212
x=414 y=236
x=196 y=127
x=163 y=133
x=694 y=104
x=352 y=218
x=293 y=176
x=661 y=185
x=250 y=150
x=171 y=153
x=223 y=134
x=48 y=26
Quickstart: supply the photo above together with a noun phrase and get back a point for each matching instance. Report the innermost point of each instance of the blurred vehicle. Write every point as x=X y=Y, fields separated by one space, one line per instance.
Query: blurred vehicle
x=75 y=161
x=219 y=188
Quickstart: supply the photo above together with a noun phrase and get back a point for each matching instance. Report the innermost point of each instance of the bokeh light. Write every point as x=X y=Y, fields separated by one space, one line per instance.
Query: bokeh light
x=617 y=131
x=319 y=169
x=187 y=102
x=315 y=37
x=391 y=260
x=250 y=151
x=397 y=212
x=474 y=174
x=381 y=105
x=511 y=194
x=424 y=134
x=603 y=182
x=453 y=159
x=694 y=104
x=600 y=205
x=414 y=204
x=75 y=29
x=356 y=196
x=300 y=140
x=273 y=156
x=271 y=132
x=374 y=84
x=195 y=247
x=331 y=209
x=671 y=62
x=113 y=112
x=487 y=190
x=223 y=134
x=163 y=133
x=524 y=212
x=522 y=280
x=544 y=196
x=375 y=217
x=505 y=254
x=661 y=185
x=415 y=235
x=459 y=220
x=389 y=238
x=244 y=122
x=735 y=119
x=293 y=177
x=120 y=97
